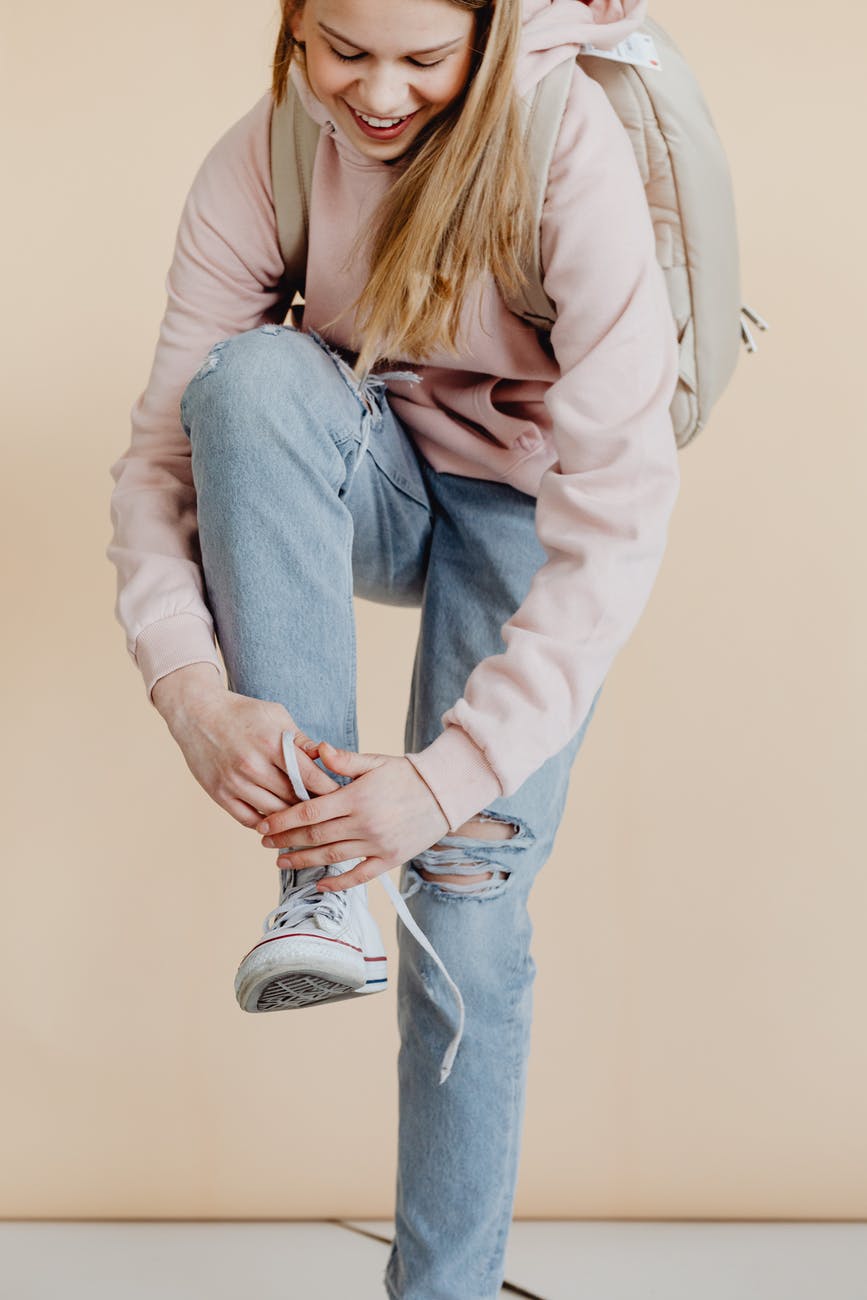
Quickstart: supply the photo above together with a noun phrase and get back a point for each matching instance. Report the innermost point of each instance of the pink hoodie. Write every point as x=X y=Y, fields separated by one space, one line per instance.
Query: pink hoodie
x=586 y=431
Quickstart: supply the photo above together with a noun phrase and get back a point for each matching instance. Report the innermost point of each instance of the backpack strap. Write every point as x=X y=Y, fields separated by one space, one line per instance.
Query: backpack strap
x=294 y=137
x=542 y=113
x=688 y=188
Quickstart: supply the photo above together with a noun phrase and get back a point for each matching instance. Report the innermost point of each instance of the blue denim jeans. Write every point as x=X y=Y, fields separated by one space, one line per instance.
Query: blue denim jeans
x=308 y=490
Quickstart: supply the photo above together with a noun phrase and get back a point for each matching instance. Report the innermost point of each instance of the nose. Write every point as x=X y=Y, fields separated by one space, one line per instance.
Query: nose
x=383 y=92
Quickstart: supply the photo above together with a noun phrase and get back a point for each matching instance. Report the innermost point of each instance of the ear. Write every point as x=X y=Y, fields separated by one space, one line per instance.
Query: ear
x=296 y=23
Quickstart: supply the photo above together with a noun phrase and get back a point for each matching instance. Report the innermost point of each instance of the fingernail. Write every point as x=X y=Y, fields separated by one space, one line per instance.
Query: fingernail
x=268 y=843
x=263 y=826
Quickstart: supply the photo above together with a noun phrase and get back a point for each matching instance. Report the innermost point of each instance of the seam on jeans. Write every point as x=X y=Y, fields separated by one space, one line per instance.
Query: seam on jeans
x=350 y=723
x=397 y=479
x=517 y=1078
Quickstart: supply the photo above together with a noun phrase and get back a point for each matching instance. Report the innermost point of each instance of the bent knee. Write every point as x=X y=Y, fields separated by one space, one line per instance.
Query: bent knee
x=248 y=366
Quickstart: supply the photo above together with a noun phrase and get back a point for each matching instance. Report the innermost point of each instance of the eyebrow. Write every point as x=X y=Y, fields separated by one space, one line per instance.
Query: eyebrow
x=435 y=49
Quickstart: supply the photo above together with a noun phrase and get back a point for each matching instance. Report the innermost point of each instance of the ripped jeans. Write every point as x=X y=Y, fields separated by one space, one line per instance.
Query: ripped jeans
x=309 y=490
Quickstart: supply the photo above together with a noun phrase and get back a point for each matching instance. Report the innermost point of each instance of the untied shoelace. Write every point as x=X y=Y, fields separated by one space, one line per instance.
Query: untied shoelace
x=329 y=901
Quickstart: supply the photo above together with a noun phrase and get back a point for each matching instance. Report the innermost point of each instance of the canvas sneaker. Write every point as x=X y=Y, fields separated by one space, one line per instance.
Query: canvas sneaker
x=314 y=947
x=317 y=948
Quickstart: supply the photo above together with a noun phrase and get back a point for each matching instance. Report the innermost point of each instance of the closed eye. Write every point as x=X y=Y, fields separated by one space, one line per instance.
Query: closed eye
x=353 y=58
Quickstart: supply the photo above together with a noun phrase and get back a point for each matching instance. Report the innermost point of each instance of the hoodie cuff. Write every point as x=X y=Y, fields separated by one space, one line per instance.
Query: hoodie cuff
x=172 y=643
x=458 y=775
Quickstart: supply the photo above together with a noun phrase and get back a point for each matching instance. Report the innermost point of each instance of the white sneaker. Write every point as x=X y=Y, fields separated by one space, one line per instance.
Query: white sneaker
x=315 y=947
x=320 y=948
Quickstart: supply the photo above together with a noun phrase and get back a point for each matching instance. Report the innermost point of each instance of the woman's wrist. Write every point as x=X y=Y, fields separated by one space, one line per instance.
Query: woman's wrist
x=179 y=688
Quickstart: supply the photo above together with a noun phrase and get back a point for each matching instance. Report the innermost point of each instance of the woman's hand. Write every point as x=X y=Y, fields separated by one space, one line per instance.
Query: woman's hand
x=233 y=746
x=386 y=814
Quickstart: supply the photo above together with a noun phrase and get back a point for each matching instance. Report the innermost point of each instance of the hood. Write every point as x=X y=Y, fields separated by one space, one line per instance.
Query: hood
x=553 y=32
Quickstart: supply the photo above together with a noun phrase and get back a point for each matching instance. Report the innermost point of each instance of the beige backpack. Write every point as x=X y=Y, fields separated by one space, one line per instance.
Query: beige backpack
x=687 y=184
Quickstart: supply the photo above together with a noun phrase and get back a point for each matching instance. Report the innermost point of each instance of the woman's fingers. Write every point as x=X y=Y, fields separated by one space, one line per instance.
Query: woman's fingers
x=361 y=874
x=322 y=857
x=254 y=801
x=307 y=813
x=262 y=799
x=315 y=780
x=323 y=836
x=272 y=792
x=245 y=813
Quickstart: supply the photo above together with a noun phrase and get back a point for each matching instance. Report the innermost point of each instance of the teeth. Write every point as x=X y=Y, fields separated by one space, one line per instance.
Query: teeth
x=381 y=121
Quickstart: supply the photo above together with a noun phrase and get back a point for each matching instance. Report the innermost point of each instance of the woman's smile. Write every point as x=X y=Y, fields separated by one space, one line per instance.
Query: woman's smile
x=379 y=128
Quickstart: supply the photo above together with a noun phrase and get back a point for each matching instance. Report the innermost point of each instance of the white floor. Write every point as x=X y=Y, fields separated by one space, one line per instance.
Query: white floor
x=79 y=1260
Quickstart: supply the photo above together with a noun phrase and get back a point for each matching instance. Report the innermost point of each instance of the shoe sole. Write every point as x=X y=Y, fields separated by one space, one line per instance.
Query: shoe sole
x=375 y=983
x=293 y=971
x=292 y=992
x=308 y=989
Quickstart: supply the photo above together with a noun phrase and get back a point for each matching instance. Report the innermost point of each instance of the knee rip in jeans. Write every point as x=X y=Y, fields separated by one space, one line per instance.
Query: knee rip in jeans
x=368 y=389
x=456 y=872
x=211 y=361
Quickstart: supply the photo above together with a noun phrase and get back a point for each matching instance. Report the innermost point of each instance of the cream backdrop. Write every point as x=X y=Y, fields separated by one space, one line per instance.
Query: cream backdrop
x=699 y=1042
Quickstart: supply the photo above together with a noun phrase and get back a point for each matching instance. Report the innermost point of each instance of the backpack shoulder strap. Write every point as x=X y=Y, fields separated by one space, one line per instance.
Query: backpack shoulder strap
x=294 y=137
x=543 y=113
x=688 y=187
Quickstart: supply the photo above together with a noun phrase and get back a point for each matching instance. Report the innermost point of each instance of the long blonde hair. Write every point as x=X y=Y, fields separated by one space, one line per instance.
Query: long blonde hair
x=459 y=211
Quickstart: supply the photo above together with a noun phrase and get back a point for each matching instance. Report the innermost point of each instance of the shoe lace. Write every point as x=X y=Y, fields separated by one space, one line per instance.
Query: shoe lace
x=301 y=901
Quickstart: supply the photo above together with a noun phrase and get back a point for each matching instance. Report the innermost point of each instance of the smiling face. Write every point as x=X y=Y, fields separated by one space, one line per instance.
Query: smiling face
x=385 y=68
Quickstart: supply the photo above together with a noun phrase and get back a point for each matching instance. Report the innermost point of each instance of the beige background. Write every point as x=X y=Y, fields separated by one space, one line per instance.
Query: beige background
x=699 y=1041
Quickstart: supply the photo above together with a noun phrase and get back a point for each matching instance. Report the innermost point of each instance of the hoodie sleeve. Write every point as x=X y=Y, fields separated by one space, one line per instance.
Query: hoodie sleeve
x=224 y=279
x=604 y=505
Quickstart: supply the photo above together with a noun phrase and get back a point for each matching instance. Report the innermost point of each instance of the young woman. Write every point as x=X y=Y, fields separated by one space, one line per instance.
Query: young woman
x=415 y=443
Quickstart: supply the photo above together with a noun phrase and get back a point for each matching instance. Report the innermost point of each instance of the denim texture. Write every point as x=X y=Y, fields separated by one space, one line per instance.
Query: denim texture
x=308 y=490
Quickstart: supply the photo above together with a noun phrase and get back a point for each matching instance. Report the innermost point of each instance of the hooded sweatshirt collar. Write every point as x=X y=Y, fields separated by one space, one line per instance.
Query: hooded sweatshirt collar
x=555 y=30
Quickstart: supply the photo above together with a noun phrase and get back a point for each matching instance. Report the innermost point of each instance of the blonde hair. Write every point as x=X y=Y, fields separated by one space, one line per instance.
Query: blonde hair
x=460 y=210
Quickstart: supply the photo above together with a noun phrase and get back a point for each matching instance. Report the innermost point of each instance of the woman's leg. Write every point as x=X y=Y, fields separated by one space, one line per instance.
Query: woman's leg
x=459 y=1142
x=303 y=484
x=305 y=487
